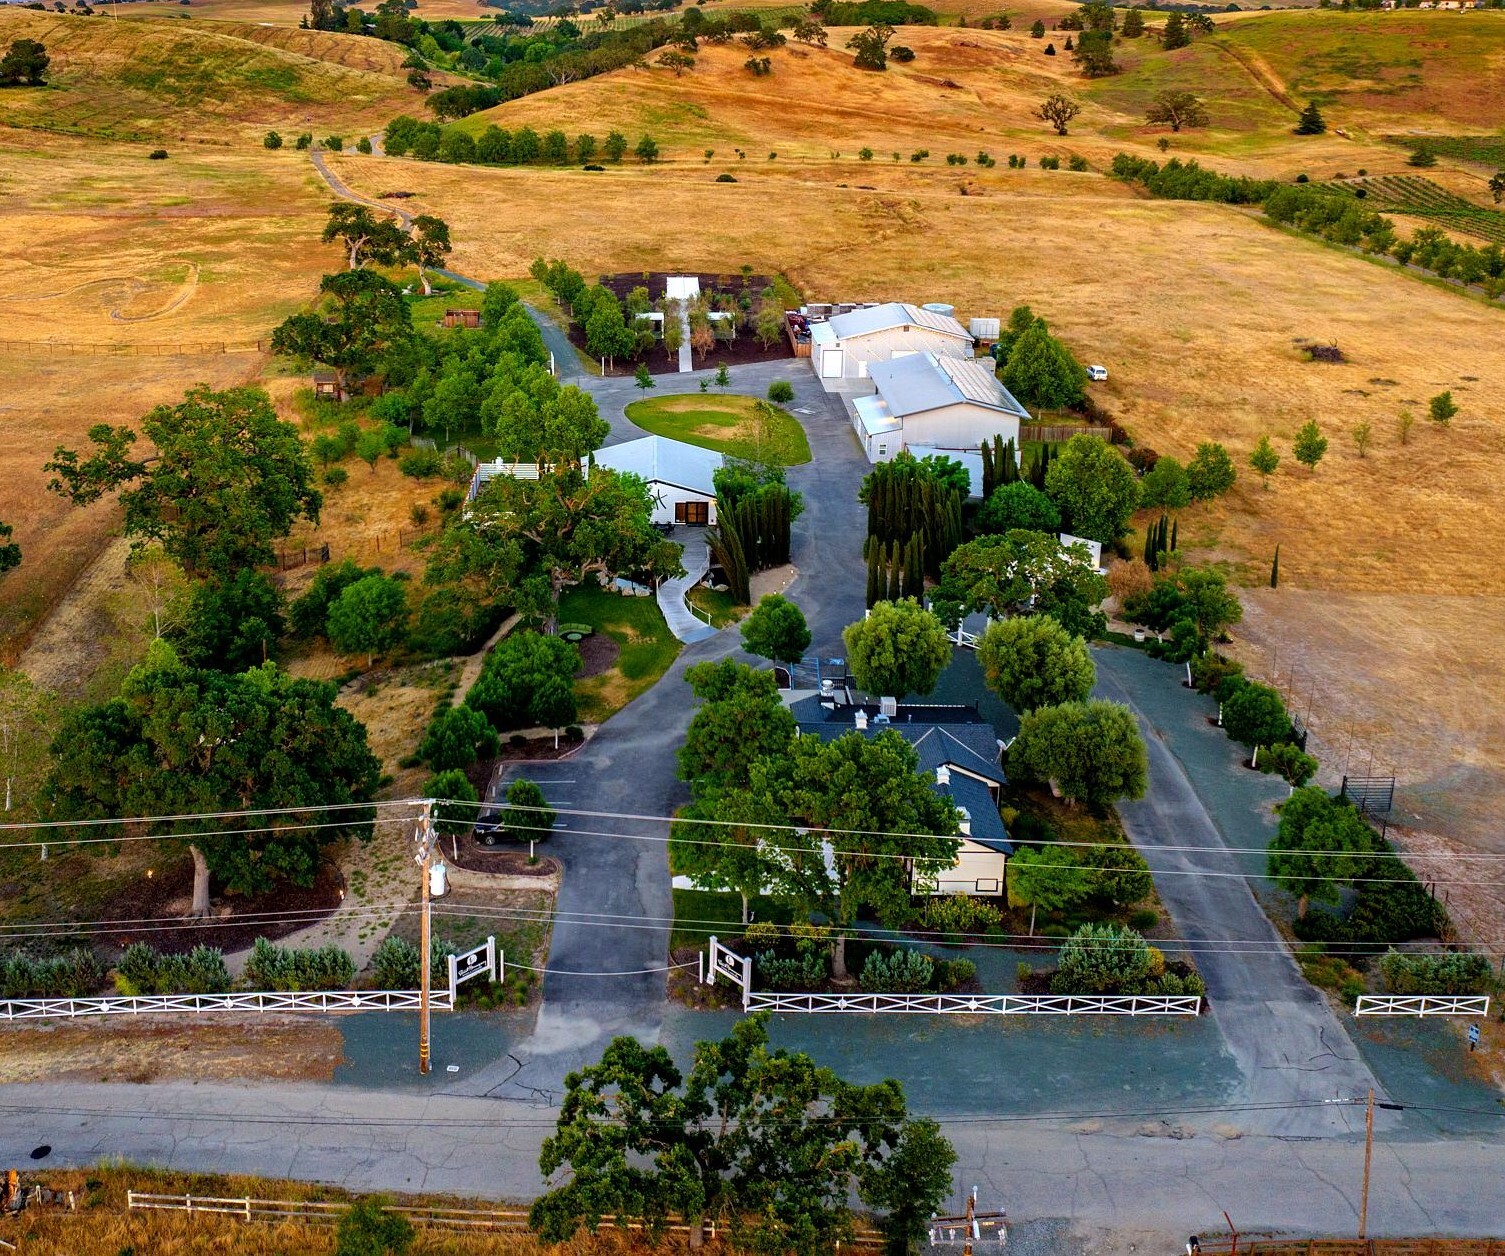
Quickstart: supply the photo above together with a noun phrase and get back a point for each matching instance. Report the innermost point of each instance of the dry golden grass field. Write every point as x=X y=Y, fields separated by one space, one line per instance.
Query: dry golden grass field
x=1197 y=309
x=102 y=1224
x=175 y=81
x=143 y=264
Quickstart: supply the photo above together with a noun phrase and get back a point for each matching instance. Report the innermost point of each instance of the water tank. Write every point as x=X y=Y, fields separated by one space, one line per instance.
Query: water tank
x=984 y=328
x=940 y=307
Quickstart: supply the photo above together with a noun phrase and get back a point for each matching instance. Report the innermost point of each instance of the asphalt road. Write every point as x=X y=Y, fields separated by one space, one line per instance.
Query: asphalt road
x=1120 y=1173
x=1280 y=1030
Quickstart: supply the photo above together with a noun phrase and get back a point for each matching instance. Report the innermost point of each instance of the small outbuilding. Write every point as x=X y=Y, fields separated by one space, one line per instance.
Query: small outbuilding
x=327 y=386
x=680 y=477
x=848 y=345
x=946 y=404
x=462 y=318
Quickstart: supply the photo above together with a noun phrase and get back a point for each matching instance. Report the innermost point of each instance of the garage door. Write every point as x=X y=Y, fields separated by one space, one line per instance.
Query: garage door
x=830 y=364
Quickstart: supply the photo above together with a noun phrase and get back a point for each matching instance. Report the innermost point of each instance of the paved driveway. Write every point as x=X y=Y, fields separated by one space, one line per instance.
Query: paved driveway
x=1281 y=1031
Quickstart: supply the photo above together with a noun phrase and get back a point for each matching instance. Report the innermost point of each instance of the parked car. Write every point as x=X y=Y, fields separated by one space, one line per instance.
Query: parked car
x=488 y=830
x=1097 y=373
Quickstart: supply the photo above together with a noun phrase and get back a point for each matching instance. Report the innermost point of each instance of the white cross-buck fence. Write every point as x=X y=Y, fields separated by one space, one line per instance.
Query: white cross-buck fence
x=1422 y=1005
x=478 y=961
x=737 y=970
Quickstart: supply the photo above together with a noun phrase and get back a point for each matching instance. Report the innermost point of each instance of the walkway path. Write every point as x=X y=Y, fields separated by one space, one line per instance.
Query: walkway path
x=1280 y=1030
x=686 y=359
x=671 y=593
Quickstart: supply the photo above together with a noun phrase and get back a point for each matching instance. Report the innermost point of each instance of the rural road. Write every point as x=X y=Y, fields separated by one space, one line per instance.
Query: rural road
x=1115 y=1173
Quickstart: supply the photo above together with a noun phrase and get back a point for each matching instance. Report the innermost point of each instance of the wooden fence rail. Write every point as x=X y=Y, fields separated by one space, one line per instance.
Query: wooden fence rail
x=63 y=348
x=1055 y=433
x=1354 y=1247
x=438 y=1218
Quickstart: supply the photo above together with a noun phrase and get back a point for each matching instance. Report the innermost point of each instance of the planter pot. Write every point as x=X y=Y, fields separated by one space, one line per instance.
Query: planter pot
x=1139 y=634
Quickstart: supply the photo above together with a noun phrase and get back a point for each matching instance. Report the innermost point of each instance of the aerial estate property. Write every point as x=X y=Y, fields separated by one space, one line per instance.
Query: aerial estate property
x=770 y=628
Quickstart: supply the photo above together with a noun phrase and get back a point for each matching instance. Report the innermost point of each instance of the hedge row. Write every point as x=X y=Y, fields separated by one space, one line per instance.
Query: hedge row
x=1457 y=972
x=67 y=975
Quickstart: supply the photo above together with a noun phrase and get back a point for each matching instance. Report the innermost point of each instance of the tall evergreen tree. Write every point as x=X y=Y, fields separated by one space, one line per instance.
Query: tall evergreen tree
x=989 y=476
x=875 y=589
x=914 y=568
x=1275 y=570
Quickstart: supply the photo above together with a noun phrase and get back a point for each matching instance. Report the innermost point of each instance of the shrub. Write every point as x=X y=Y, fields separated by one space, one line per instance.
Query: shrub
x=396 y=965
x=1459 y=972
x=1077 y=162
x=1103 y=959
x=1119 y=873
x=333 y=143
x=368 y=1229
x=157 y=154
x=142 y=970
x=64 y=976
x=363 y=145
x=901 y=53
x=449 y=500
x=335 y=476
x=951 y=973
x=271 y=140
x=726 y=178
x=421 y=464
x=960 y=914
x=761 y=933
x=574 y=733
x=1211 y=673
x=284 y=968
x=900 y=972
x=1144 y=918
x=304 y=142
x=802 y=971
x=781 y=392
x=1289 y=761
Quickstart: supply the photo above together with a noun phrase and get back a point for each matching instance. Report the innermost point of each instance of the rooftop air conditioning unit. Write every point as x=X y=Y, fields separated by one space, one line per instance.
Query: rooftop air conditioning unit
x=888 y=706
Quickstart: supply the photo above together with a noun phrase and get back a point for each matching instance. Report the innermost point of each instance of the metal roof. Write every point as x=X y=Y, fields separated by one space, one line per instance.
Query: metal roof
x=892 y=314
x=657 y=458
x=875 y=417
x=919 y=382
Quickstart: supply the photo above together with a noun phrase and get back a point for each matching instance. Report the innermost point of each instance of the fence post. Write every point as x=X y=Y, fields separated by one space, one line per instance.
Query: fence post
x=746 y=981
x=453 y=980
x=248 y=1207
x=491 y=956
x=712 y=981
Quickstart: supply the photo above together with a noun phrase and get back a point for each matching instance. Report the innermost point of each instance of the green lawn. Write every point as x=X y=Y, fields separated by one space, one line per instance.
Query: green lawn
x=700 y=913
x=719 y=606
x=637 y=625
x=726 y=422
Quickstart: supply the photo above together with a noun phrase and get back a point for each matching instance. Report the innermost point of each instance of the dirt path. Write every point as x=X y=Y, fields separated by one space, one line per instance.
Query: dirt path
x=1261 y=73
x=75 y=639
x=470 y=672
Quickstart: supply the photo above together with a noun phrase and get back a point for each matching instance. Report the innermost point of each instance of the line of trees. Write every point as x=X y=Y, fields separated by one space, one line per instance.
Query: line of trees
x=1332 y=215
x=914 y=506
x=429 y=141
x=755 y=514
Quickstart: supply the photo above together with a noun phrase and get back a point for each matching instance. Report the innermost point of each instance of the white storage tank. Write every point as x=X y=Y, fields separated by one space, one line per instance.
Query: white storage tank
x=984 y=328
x=940 y=307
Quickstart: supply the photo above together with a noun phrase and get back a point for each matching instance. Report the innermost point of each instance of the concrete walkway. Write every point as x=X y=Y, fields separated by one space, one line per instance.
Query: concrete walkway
x=686 y=359
x=671 y=593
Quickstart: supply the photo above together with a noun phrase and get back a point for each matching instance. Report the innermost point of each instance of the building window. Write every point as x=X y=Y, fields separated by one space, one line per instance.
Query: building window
x=692 y=512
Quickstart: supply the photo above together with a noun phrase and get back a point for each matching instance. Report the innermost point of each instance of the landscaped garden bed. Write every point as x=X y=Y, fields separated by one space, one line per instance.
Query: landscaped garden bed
x=740 y=426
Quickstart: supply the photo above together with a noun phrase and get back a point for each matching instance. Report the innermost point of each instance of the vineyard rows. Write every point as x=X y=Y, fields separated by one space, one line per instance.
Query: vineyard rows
x=1421 y=198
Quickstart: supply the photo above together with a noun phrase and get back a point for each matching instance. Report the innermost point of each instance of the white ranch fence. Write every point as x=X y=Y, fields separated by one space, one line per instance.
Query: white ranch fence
x=1422 y=1005
x=983 y=1004
x=737 y=970
x=484 y=959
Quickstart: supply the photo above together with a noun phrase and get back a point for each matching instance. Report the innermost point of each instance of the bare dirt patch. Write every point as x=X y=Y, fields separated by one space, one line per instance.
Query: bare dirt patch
x=598 y=653
x=156 y=1049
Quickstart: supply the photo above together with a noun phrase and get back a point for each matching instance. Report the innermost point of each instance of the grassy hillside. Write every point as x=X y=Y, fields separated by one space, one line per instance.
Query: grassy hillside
x=158 y=80
x=1438 y=69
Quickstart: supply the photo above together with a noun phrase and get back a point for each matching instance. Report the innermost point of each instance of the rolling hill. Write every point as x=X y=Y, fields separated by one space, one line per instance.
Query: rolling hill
x=155 y=79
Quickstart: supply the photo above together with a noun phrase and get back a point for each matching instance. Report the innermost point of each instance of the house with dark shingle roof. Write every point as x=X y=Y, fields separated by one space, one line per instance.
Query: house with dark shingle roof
x=958 y=750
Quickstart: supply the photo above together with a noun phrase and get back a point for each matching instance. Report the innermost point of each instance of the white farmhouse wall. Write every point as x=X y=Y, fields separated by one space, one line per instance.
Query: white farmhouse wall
x=962 y=426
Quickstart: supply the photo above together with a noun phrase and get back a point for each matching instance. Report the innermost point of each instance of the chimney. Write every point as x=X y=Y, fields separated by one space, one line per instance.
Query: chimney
x=861 y=721
x=943 y=775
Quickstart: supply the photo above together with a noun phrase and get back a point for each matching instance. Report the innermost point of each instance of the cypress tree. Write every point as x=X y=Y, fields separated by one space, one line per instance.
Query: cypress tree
x=1275 y=570
x=1009 y=471
x=914 y=568
x=989 y=480
x=1175 y=525
x=875 y=589
x=895 y=574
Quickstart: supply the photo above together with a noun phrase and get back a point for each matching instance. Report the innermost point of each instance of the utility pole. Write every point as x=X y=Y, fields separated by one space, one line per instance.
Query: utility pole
x=1368 y=1153
x=425 y=853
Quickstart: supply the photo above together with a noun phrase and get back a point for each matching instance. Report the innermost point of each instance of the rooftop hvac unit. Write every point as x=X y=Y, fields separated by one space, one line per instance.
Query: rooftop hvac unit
x=984 y=328
x=940 y=307
x=888 y=706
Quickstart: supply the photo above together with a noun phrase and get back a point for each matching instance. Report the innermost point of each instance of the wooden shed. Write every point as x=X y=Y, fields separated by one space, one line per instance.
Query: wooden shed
x=327 y=386
x=462 y=318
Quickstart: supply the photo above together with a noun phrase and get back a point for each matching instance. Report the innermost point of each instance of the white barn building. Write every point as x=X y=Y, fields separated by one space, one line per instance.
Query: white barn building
x=847 y=346
x=943 y=403
x=680 y=477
